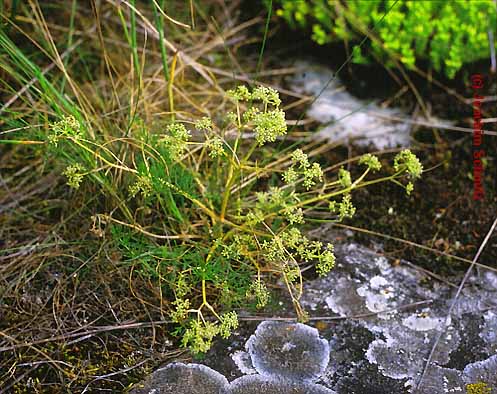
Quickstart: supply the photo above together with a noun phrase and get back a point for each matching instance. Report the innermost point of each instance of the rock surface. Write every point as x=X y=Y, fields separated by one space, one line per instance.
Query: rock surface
x=291 y=351
x=383 y=321
x=179 y=378
x=253 y=384
x=288 y=356
x=347 y=117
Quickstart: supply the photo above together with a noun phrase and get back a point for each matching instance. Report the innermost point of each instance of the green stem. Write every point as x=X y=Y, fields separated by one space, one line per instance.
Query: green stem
x=159 y=20
x=227 y=191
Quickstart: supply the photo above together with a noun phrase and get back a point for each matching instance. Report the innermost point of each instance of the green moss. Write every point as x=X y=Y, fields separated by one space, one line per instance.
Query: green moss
x=478 y=388
x=448 y=34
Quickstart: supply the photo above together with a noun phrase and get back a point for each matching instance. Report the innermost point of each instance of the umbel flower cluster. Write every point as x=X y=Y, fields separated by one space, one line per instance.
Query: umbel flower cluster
x=233 y=207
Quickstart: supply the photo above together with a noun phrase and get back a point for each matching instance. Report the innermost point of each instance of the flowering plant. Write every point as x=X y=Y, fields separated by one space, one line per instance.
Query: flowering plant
x=233 y=214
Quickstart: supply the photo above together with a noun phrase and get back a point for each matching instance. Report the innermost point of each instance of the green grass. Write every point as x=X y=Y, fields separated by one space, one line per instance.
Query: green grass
x=173 y=199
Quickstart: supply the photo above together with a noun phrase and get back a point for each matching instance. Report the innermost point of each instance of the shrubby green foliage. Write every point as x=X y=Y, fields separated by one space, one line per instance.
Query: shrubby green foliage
x=447 y=33
x=211 y=215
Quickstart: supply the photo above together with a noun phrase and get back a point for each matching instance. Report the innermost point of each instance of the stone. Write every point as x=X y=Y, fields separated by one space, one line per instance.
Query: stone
x=347 y=117
x=292 y=351
x=381 y=323
x=179 y=378
x=484 y=371
x=255 y=384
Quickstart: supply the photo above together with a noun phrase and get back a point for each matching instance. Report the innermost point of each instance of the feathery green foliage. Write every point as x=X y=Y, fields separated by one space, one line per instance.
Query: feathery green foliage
x=233 y=218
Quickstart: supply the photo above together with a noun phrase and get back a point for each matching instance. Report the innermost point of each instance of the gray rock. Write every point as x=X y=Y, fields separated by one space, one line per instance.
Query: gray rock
x=378 y=341
x=364 y=378
x=292 y=351
x=482 y=371
x=347 y=117
x=442 y=380
x=255 y=384
x=489 y=331
x=402 y=338
x=179 y=378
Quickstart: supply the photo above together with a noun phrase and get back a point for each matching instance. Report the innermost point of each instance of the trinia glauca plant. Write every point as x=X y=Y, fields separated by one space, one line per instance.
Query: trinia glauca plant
x=212 y=215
